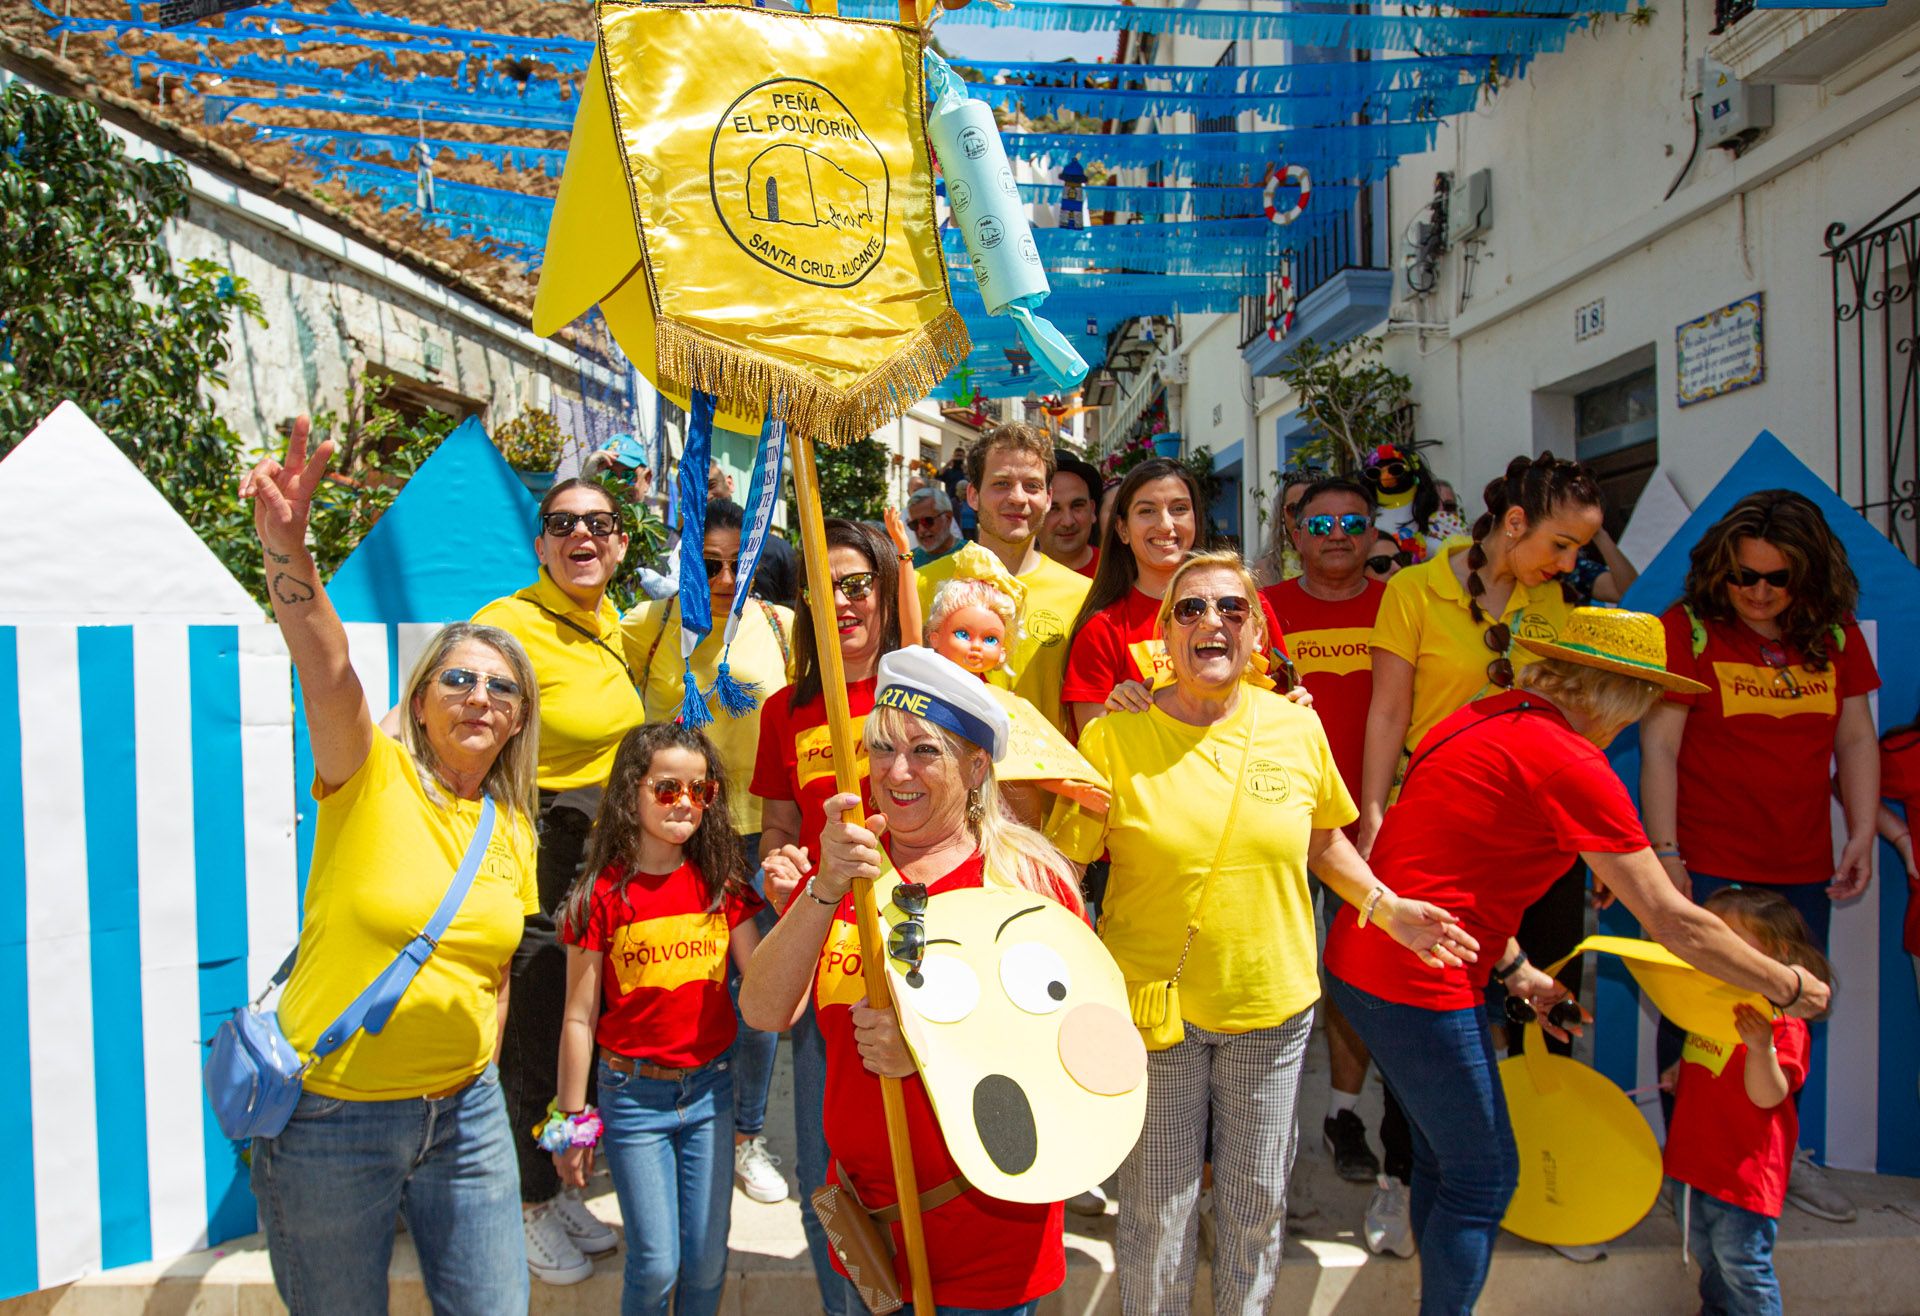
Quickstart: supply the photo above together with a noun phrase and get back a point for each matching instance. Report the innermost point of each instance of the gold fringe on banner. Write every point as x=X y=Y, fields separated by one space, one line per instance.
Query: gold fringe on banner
x=744 y=381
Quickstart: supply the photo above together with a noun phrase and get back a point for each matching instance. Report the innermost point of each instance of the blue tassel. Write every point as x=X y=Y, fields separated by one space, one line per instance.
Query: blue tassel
x=693 y=708
x=738 y=697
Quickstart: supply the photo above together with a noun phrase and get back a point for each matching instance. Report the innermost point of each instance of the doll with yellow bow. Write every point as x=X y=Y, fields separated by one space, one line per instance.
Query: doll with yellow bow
x=975 y=622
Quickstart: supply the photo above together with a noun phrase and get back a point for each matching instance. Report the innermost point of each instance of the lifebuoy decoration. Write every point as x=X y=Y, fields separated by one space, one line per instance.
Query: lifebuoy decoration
x=1299 y=177
x=1279 y=306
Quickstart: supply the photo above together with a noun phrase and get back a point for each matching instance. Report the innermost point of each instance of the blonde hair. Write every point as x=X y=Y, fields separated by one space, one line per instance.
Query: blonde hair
x=1610 y=701
x=1221 y=560
x=971 y=592
x=1015 y=854
x=513 y=778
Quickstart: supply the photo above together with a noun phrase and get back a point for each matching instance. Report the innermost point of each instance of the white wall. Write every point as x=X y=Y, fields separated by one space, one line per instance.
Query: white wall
x=1582 y=152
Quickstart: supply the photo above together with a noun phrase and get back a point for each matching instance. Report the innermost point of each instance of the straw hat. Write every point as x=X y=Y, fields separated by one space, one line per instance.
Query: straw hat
x=1630 y=643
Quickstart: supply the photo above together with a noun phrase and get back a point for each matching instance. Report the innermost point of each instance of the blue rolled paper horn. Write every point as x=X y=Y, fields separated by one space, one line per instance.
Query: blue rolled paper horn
x=986 y=207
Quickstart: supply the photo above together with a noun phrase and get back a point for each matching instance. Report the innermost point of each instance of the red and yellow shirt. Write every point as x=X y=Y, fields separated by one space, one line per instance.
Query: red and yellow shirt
x=983 y=1252
x=1754 y=776
x=1719 y=1141
x=663 y=985
x=1900 y=780
x=1121 y=642
x=795 y=761
x=1332 y=647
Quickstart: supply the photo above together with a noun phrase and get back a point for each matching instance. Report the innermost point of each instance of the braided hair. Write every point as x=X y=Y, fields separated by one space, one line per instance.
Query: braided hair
x=1537 y=486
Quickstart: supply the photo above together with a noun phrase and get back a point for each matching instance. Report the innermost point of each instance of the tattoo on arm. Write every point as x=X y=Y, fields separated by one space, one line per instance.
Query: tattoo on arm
x=289 y=589
x=281 y=558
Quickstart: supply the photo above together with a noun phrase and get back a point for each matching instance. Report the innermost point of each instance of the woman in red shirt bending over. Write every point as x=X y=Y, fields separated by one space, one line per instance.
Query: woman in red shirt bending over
x=659 y=908
x=1498 y=801
x=945 y=829
x=1766 y=624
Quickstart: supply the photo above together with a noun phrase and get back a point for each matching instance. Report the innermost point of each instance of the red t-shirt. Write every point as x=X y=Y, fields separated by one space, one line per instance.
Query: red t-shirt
x=1900 y=780
x=1501 y=810
x=663 y=983
x=1332 y=651
x=795 y=761
x=1719 y=1141
x=1092 y=564
x=1755 y=802
x=983 y=1252
x=1121 y=642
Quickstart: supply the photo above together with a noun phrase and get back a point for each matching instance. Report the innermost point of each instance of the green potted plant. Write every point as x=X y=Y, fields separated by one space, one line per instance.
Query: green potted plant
x=531 y=444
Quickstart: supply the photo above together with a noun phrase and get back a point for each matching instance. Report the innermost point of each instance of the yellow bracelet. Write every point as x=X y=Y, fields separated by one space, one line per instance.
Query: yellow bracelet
x=1373 y=900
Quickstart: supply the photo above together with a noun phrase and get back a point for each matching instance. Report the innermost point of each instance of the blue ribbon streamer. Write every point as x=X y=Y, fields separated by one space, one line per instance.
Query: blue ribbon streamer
x=739 y=697
x=696 y=604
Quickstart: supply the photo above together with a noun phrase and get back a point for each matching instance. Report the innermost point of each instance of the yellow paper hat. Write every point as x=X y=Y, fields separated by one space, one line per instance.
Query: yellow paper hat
x=748 y=197
x=1694 y=1001
x=1589 y=1165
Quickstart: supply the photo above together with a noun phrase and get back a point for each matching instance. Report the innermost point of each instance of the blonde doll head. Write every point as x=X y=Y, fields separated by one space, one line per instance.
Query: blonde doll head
x=974 y=623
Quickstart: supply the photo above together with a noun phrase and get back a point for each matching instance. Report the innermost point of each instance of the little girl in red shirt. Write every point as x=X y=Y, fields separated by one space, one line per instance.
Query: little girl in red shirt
x=1730 y=1144
x=660 y=905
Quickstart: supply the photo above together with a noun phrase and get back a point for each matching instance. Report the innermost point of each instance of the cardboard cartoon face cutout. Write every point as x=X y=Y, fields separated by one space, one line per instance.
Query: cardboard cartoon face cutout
x=1019 y=1026
x=973 y=637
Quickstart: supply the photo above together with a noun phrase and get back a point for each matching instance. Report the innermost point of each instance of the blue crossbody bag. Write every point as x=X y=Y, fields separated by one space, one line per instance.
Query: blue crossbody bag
x=253 y=1075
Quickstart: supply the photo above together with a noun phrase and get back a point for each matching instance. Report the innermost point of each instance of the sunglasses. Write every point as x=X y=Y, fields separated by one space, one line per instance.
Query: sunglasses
x=1352 y=524
x=1389 y=472
x=1499 y=638
x=856 y=586
x=907 y=941
x=1776 y=657
x=1450 y=507
x=1747 y=577
x=669 y=791
x=461 y=680
x=1233 y=610
x=925 y=522
x=1564 y=1014
x=716 y=565
x=1387 y=561
x=561 y=524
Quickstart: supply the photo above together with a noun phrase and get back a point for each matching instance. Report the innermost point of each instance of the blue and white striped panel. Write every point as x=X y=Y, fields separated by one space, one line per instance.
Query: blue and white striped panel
x=146 y=884
x=1860 y=1110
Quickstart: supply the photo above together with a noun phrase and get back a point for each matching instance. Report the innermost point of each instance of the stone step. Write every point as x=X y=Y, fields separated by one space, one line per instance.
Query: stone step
x=1868 y=1268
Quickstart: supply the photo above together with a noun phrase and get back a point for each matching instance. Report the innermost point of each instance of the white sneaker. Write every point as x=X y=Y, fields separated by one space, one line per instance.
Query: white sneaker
x=551 y=1255
x=589 y=1233
x=1582 y=1252
x=1389 y=1224
x=753 y=1166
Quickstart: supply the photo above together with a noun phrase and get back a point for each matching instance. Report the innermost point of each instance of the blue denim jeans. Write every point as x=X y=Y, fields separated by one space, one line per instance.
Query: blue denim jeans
x=669 y=1148
x=333 y=1183
x=838 y=1297
x=1440 y=1065
x=753 y=1050
x=1734 y=1247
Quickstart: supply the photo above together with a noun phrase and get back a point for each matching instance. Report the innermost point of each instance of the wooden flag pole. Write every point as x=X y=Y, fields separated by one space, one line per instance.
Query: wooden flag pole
x=873 y=962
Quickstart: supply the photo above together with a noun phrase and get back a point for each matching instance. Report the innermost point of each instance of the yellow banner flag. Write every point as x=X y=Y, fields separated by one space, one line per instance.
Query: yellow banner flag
x=749 y=198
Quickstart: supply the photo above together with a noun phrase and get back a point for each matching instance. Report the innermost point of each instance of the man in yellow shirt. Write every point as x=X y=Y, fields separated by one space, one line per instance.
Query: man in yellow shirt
x=1009 y=472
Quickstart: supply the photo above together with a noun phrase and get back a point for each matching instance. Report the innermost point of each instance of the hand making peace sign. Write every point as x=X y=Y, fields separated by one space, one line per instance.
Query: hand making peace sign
x=283 y=491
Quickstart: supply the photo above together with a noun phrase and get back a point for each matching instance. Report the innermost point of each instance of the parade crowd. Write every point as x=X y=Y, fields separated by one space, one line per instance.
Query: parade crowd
x=1361 y=775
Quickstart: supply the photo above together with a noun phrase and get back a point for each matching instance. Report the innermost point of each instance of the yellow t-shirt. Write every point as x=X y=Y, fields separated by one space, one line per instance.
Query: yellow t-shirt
x=383 y=856
x=587 y=699
x=1039 y=661
x=1424 y=619
x=758 y=656
x=1254 y=961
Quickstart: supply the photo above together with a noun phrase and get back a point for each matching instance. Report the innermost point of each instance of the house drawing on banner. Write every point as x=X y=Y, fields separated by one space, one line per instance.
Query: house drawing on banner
x=459 y=535
x=1859 y=1107
x=146 y=860
x=789 y=184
